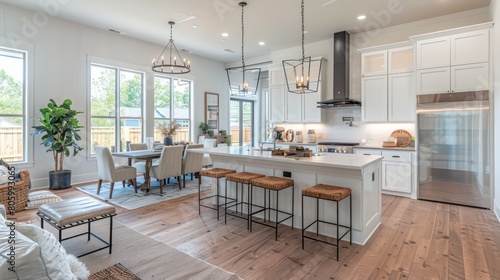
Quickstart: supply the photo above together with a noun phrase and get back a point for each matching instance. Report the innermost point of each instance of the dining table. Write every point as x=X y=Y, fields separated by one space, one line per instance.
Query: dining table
x=147 y=156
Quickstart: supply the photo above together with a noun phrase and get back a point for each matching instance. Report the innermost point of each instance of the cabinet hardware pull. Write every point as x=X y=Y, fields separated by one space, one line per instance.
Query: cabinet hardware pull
x=396 y=156
x=367 y=154
x=373 y=176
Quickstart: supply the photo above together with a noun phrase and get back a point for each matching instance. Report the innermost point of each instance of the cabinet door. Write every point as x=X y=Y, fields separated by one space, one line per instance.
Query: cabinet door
x=277 y=104
x=469 y=77
x=401 y=98
x=374 y=99
x=374 y=63
x=435 y=80
x=310 y=111
x=470 y=47
x=294 y=107
x=400 y=60
x=276 y=76
x=433 y=53
x=396 y=176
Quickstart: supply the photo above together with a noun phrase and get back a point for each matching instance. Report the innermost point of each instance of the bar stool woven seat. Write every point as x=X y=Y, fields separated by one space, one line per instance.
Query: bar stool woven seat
x=276 y=184
x=216 y=173
x=242 y=178
x=331 y=193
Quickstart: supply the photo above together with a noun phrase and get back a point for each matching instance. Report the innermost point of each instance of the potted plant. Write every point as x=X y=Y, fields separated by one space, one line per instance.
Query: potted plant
x=204 y=127
x=60 y=132
x=168 y=132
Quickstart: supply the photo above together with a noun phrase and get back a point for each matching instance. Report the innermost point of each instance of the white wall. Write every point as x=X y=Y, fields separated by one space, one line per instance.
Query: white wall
x=495 y=10
x=60 y=71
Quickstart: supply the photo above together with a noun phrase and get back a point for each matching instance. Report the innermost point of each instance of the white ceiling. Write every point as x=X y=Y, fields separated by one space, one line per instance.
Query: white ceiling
x=276 y=22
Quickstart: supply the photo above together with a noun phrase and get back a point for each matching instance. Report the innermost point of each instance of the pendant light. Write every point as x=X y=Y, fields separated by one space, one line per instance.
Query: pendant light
x=243 y=80
x=174 y=64
x=299 y=78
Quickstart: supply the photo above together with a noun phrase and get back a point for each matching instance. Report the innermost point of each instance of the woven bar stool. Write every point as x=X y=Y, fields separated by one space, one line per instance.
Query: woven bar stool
x=331 y=193
x=213 y=173
x=243 y=178
x=271 y=183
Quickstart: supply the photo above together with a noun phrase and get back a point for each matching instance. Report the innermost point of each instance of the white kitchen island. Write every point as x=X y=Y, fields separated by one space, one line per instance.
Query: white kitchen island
x=361 y=173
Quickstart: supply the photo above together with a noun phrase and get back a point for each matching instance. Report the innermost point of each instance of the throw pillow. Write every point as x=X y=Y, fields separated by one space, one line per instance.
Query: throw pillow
x=38 y=198
x=52 y=252
x=27 y=261
x=4 y=168
x=78 y=268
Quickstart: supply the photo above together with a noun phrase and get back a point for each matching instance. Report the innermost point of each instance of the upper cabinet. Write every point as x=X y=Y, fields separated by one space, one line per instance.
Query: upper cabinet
x=387 y=84
x=290 y=107
x=453 y=63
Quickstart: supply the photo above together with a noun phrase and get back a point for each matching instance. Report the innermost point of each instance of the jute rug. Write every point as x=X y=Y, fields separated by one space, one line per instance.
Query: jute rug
x=128 y=199
x=144 y=256
x=115 y=272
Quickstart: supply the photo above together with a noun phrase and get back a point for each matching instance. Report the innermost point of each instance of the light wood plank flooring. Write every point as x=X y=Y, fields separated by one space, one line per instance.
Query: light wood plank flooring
x=417 y=240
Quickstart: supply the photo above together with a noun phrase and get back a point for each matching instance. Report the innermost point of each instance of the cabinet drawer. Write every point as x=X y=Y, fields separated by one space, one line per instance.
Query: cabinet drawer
x=368 y=152
x=399 y=156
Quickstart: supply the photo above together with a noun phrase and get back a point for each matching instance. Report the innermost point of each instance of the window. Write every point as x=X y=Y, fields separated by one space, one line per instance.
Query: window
x=172 y=99
x=116 y=107
x=13 y=92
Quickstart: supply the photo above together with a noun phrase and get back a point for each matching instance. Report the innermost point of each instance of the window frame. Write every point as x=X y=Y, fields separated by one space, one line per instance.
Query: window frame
x=117 y=66
x=28 y=122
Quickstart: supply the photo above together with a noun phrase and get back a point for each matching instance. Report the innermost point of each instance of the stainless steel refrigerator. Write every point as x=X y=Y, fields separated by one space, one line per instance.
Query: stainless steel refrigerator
x=454 y=148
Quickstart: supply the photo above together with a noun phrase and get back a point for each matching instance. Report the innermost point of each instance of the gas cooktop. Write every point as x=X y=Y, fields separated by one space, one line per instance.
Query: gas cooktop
x=338 y=143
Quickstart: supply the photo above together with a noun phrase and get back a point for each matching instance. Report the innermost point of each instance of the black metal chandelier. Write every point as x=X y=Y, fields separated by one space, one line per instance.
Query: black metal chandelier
x=174 y=64
x=243 y=80
x=299 y=78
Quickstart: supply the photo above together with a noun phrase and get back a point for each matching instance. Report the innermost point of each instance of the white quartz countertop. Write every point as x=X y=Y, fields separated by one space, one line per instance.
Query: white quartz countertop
x=373 y=146
x=347 y=161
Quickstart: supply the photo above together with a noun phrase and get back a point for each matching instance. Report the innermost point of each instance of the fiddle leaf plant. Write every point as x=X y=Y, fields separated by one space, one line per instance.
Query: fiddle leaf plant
x=60 y=131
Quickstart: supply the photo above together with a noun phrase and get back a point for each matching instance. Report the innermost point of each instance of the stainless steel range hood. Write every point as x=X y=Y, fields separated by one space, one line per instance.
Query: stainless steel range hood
x=341 y=55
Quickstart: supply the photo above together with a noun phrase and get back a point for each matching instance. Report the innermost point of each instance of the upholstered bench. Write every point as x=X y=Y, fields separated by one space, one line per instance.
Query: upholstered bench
x=75 y=212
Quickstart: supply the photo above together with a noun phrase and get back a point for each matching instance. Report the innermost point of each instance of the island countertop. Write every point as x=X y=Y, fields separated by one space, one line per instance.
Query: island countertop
x=344 y=161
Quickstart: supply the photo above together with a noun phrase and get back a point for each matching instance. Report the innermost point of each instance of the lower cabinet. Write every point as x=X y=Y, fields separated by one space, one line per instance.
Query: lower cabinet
x=397 y=171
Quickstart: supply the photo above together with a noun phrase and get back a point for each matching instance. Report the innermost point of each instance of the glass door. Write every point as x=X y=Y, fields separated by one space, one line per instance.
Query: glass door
x=241 y=122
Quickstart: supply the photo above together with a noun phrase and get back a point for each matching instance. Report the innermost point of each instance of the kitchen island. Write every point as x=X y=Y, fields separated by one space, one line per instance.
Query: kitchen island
x=359 y=172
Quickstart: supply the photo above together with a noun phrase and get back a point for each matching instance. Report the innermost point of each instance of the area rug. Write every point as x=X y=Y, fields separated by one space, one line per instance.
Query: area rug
x=145 y=257
x=128 y=199
x=115 y=272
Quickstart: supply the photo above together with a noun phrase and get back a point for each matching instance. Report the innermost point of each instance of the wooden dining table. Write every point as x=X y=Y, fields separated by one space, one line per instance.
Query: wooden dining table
x=147 y=156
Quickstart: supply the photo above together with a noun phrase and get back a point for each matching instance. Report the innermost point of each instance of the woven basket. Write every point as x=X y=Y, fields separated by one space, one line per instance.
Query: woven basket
x=20 y=196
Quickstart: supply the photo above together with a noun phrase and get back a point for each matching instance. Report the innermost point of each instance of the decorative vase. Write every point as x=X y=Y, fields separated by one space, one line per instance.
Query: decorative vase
x=168 y=141
x=60 y=179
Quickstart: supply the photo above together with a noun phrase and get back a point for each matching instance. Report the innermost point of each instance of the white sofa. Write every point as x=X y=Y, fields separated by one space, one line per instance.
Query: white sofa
x=29 y=252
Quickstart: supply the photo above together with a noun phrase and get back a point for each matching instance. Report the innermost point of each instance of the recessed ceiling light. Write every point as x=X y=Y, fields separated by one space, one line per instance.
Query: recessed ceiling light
x=225 y=34
x=361 y=17
x=262 y=43
x=195 y=26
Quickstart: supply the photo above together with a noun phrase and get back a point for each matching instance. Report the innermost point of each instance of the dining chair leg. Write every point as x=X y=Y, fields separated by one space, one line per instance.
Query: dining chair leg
x=112 y=185
x=99 y=186
x=161 y=186
x=123 y=184
x=179 y=180
x=134 y=181
x=184 y=179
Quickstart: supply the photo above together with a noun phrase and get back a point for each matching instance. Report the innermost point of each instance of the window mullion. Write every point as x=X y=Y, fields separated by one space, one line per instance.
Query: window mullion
x=117 y=111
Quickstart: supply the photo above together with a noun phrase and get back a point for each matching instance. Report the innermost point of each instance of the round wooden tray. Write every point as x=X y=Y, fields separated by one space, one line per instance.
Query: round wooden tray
x=403 y=136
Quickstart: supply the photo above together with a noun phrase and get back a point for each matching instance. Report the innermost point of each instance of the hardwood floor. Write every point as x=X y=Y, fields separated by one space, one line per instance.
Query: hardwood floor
x=417 y=240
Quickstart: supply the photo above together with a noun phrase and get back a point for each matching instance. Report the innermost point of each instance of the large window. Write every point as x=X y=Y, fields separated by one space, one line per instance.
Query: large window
x=172 y=103
x=116 y=107
x=13 y=105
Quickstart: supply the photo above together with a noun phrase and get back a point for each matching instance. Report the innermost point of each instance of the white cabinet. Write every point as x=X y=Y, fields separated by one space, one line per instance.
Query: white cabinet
x=454 y=63
x=401 y=97
x=397 y=171
x=277 y=104
x=310 y=111
x=294 y=106
x=388 y=93
x=374 y=99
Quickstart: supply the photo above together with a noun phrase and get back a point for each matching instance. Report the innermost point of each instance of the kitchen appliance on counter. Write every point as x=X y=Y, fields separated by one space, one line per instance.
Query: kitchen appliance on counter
x=278 y=133
x=336 y=147
x=453 y=148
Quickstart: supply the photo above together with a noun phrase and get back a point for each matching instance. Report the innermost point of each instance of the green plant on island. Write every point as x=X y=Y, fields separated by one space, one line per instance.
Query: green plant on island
x=204 y=127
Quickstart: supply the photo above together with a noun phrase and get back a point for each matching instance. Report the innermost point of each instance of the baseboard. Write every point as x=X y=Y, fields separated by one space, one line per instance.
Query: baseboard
x=496 y=208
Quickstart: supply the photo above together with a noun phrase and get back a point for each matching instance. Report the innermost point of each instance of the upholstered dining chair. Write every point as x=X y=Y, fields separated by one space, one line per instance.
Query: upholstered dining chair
x=108 y=171
x=141 y=168
x=191 y=162
x=169 y=165
x=208 y=143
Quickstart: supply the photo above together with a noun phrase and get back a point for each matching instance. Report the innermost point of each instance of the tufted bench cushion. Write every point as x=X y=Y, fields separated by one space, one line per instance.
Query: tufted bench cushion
x=74 y=210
